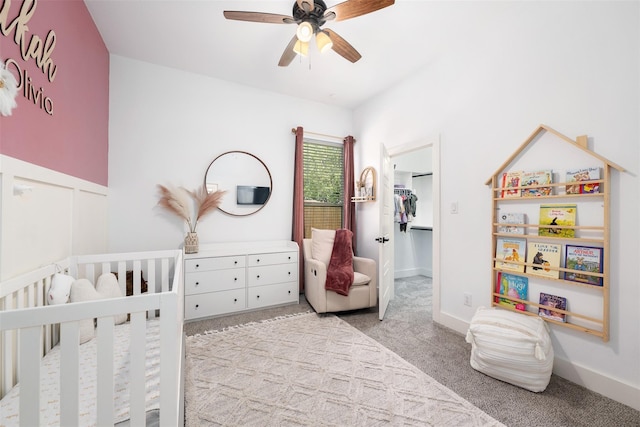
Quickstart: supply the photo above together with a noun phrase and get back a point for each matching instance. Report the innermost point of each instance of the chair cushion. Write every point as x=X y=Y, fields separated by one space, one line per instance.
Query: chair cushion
x=322 y=244
x=360 y=279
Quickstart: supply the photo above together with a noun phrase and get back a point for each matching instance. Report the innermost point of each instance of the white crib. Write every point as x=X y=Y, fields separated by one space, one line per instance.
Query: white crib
x=31 y=331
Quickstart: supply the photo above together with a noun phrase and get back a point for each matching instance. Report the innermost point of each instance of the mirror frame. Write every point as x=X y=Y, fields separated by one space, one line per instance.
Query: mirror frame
x=263 y=165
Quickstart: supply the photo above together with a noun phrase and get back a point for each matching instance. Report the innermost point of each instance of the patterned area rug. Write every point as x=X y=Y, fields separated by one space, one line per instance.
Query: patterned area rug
x=311 y=370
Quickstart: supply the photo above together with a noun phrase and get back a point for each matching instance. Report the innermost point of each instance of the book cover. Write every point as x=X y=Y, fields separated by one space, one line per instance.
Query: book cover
x=583 y=258
x=583 y=174
x=557 y=215
x=552 y=301
x=536 y=178
x=510 y=180
x=515 y=287
x=542 y=256
x=511 y=218
x=510 y=249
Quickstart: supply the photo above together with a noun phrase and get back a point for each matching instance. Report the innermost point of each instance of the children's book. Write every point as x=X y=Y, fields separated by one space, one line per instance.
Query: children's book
x=536 y=179
x=550 y=302
x=511 y=218
x=585 y=259
x=510 y=180
x=557 y=215
x=543 y=256
x=583 y=174
x=510 y=249
x=512 y=286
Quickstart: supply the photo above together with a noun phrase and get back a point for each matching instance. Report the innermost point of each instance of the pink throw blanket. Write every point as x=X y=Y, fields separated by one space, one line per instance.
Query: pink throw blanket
x=340 y=269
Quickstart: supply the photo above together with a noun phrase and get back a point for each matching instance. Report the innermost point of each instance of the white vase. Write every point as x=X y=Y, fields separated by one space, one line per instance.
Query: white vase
x=191 y=243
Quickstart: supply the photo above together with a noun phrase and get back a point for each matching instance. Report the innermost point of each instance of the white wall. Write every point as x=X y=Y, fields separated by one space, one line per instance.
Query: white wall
x=573 y=66
x=45 y=216
x=166 y=126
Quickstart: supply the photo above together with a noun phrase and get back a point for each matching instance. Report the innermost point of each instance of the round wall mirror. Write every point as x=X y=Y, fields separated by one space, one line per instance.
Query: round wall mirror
x=244 y=177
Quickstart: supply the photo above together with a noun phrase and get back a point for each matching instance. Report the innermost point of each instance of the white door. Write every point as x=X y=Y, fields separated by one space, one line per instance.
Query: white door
x=385 y=254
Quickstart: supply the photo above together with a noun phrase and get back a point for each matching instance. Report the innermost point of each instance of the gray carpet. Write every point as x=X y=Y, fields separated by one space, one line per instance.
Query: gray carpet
x=444 y=355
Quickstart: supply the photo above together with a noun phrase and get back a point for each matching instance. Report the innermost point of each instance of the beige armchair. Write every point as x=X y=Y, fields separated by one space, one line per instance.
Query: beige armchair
x=363 y=292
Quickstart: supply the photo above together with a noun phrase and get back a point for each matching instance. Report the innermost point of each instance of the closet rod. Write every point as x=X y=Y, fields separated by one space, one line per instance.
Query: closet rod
x=341 y=138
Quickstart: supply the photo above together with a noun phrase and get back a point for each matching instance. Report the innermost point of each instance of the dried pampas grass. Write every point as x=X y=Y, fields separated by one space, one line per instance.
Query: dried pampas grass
x=179 y=201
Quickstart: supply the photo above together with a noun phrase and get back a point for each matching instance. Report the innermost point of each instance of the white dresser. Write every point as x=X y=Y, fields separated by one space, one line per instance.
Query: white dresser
x=224 y=278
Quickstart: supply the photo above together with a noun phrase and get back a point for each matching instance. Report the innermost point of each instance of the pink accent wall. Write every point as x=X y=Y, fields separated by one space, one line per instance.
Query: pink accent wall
x=74 y=139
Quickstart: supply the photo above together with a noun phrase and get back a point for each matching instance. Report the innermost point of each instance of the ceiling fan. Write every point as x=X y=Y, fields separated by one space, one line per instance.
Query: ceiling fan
x=311 y=15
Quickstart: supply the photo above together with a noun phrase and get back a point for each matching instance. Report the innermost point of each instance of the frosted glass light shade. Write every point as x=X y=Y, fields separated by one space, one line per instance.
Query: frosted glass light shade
x=304 y=32
x=301 y=48
x=323 y=41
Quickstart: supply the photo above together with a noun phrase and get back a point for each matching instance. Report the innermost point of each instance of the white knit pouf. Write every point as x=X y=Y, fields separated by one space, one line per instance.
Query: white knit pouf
x=512 y=347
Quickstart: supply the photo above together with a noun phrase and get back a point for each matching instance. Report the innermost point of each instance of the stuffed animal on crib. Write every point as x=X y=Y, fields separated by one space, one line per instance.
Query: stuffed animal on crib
x=60 y=289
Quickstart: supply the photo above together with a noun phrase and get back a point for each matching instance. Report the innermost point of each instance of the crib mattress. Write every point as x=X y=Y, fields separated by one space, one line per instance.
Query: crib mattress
x=50 y=381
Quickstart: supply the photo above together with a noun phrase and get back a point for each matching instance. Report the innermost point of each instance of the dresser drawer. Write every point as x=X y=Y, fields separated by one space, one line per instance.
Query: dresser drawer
x=255 y=260
x=212 y=281
x=270 y=274
x=215 y=263
x=281 y=293
x=214 y=303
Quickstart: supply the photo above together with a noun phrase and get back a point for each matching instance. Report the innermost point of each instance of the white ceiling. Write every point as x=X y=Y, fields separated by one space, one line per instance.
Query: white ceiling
x=193 y=35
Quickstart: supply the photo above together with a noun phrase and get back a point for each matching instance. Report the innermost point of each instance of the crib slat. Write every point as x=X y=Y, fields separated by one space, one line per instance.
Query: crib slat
x=165 y=275
x=30 y=376
x=105 y=395
x=122 y=277
x=137 y=284
x=69 y=376
x=8 y=355
x=137 y=368
x=106 y=268
x=151 y=282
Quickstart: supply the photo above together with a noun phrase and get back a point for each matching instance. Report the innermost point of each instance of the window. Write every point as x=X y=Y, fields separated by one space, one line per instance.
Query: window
x=323 y=186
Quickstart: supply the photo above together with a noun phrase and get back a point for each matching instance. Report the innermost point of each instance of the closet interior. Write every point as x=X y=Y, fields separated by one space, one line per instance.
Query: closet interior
x=413 y=213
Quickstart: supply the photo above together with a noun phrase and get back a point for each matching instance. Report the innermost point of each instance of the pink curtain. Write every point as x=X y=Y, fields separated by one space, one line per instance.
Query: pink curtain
x=297 y=233
x=349 y=211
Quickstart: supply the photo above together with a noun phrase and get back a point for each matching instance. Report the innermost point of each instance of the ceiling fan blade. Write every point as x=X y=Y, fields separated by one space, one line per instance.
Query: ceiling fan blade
x=342 y=47
x=352 y=8
x=269 y=18
x=288 y=54
x=306 y=5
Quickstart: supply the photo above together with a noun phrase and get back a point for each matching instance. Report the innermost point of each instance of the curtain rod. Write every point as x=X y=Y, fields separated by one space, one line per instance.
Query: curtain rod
x=341 y=138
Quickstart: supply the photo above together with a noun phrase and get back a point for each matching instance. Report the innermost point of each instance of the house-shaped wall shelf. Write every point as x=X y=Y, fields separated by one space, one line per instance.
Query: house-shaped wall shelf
x=583 y=290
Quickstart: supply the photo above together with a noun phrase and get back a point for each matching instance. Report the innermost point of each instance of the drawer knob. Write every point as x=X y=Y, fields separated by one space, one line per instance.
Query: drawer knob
x=197 y=283
x=258 y=260
x=289 y=292
x=289 y=273
x=197 y=265
x=289 y=257
x=235 y=262
x=235 y=279
x=258 y=296
x=235 y=300
x=197 y=305
x=258 y=276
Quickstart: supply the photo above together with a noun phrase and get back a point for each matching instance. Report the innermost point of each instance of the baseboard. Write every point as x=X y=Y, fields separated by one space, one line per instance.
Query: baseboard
x=595 y=381
x=587 y=378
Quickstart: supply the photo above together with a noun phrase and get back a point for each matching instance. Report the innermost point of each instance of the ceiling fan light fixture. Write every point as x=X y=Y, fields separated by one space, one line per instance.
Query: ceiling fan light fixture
x=304 y=32
x=301 y=48
x=323 y=41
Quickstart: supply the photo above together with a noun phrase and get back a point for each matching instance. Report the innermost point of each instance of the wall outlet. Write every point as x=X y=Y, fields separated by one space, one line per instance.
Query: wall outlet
x=467 y=299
